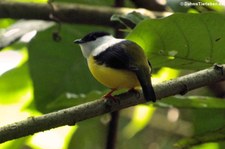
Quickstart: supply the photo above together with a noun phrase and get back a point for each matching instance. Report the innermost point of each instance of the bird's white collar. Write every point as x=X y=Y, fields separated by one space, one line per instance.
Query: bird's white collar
x=99 y=45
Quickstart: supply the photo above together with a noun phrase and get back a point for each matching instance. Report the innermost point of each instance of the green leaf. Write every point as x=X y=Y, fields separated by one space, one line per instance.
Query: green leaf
x=14 y=84
x=59 y=67
x=183 y=41
x=89 y=134
x=192 y=102
x=4 y=23
x=214 y=5
x=71 y=99
x=213 y=136
x=16 y=144
x=129 y=20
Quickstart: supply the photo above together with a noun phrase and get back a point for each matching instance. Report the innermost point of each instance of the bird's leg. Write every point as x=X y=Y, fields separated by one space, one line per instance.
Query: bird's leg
x=111 y=99
x=109 y=94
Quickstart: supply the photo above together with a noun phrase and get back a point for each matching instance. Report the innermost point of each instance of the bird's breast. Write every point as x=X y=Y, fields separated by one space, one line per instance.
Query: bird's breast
x=111 y=77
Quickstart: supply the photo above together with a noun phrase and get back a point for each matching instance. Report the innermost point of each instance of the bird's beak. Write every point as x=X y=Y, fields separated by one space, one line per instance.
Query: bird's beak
x=78 y=41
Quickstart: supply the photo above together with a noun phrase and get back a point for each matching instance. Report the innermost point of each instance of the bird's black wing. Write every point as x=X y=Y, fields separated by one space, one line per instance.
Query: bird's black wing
x=114 y=56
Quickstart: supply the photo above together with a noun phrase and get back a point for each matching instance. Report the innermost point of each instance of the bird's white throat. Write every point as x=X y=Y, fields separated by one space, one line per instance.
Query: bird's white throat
x=99 y=45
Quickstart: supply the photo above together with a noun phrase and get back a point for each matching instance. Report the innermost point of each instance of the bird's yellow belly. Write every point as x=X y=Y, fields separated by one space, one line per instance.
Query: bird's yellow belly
x=112 y=78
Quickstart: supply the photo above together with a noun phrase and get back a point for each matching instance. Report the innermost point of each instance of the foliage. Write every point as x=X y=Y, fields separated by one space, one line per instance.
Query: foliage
x=172 y=42
x=56 y=72
x=56 y=76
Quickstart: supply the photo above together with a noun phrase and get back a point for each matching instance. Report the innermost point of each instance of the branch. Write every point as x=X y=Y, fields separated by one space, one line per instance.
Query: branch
x=149 y=4
x=68 y=13
x=72 y=115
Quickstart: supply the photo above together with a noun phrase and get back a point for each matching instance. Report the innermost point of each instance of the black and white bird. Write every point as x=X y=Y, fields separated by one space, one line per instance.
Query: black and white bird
x=117 y=63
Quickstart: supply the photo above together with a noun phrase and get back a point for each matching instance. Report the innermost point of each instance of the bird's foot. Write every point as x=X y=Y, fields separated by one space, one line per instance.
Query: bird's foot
x=110 y=97
x=109 y=94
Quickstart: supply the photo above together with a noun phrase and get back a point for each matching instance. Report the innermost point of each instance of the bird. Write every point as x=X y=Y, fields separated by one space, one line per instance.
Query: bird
x=117 y=63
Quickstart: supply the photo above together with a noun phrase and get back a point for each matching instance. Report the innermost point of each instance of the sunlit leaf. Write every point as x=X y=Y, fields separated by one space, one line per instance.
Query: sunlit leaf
x=207 y=146
x=34 y=1
x=5 y=23
x=15 y=85
x=163 y=74
x=183 y=41
x=15 y=144
x=141 y=117
x=217 y=5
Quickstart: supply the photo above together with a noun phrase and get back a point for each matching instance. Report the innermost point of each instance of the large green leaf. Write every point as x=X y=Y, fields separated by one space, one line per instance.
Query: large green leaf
x=183 y=41
x=59 y=67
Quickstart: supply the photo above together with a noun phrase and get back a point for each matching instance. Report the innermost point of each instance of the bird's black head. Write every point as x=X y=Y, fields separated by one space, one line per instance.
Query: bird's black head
x=91 y=37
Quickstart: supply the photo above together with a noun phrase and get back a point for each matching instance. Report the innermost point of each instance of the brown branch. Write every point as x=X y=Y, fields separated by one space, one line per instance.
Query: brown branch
x=149 y=4
x=68 y=13
x=95 y=108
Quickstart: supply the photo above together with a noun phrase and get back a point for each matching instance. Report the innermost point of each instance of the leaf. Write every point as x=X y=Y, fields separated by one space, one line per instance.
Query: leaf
x=14 y=84
x=5 y=23
x=183 y=41
x=21 y=28
x=213 y=136
x=72 y=99
x=129 y=20
x=89 y=134
x=192 y=102
x=16 y=144
x=59 y=67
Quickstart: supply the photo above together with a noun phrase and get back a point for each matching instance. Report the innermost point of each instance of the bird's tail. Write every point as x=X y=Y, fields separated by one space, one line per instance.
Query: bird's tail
x=148 y=91
x=146 y=85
